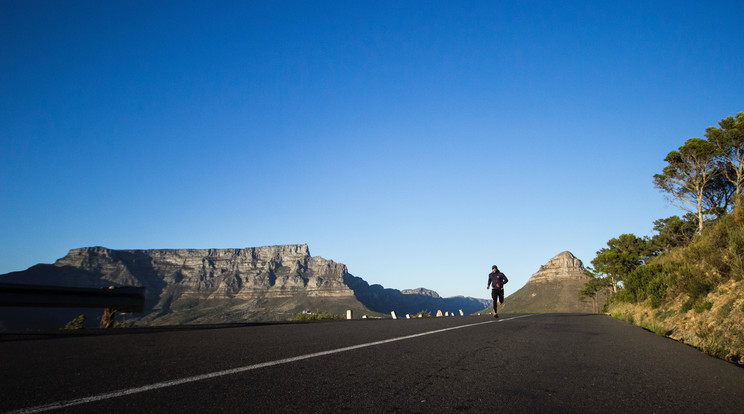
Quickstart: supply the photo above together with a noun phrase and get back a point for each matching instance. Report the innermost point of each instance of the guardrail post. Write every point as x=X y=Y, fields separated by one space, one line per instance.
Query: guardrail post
x=439 y=313
x=393 y=314
x=461 y=313
x=348 y=314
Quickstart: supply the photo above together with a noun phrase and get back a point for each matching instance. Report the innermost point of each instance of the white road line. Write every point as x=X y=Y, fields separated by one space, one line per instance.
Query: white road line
x=172 y=383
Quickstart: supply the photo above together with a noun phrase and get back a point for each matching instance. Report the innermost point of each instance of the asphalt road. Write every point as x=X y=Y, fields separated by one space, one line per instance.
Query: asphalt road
x=519 y=363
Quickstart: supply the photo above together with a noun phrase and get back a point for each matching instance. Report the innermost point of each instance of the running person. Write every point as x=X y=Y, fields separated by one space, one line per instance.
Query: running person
x=496 y=282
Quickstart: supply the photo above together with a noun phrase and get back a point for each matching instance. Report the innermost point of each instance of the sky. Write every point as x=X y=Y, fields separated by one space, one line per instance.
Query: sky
x=417 y=142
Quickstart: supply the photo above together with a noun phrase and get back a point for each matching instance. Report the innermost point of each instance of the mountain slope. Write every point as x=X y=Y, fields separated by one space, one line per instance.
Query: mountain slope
x=554 y=288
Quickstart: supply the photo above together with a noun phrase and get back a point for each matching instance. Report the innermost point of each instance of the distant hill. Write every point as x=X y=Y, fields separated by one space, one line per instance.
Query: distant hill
x=554 y=288
x=196 y=286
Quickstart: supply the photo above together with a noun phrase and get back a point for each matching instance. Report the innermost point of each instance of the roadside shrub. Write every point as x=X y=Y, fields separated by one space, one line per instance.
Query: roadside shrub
x=692 y=281
x=648 y=281
x=75 y=324
x=736 y=253
x=741 y=308
x=634 y=285
x=316 y=316
x=702 y=305
x=625 y=295
x=687 y=305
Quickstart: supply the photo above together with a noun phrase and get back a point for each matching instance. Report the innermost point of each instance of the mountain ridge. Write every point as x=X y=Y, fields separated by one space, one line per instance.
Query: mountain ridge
x=229 y=285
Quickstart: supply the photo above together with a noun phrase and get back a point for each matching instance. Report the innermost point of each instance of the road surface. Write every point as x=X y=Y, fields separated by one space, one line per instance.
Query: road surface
x=519 y=363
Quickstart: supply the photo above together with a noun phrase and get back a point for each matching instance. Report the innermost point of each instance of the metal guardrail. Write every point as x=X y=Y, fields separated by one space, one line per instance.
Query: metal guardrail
x=124 y=299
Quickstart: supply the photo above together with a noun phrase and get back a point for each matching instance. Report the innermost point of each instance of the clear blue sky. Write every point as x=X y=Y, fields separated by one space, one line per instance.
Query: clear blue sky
x=417 y=142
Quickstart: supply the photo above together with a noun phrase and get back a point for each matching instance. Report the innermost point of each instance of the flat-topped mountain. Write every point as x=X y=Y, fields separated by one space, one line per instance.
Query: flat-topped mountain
x=554 y=288
x=220 y=286
x=420 y=291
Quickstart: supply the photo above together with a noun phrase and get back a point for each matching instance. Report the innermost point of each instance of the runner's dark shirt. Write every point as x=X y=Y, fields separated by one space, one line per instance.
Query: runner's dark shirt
x=498 y=280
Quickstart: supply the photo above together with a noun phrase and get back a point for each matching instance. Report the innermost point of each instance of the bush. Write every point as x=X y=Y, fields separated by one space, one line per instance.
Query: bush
x=316 y=316
x=75 y=324
x=646 y=282
x=702 y=305
x=736 y=253
x=691 y=280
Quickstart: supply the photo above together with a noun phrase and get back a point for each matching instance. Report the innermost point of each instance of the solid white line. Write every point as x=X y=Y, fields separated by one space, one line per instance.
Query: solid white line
x=172 y=383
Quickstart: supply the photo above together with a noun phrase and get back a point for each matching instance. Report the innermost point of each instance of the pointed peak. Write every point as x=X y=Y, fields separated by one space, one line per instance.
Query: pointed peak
x=565 y=253
x=562 y=265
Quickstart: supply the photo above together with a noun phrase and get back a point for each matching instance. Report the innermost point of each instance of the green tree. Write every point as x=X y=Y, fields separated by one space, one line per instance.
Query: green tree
x=673 y=232
x=689 y=175
x=729 y=140
x=620 y=257
x=719 y=193
x=593 y=288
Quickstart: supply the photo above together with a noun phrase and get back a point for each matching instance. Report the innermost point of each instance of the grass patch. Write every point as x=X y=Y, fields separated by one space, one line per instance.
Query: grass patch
x=624 y=316
x=653 y=326
x=664 y=314
x=726 y=309
x=316 y=316
x=714 y=342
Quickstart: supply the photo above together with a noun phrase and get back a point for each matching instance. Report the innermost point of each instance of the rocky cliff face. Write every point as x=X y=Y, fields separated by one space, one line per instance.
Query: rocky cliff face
x=227 y=285
x=564 y=266
x=271 y=271
x=420 y=291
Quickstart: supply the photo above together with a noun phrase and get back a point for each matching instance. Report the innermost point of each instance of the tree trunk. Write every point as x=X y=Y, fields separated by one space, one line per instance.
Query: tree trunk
x=700 y=212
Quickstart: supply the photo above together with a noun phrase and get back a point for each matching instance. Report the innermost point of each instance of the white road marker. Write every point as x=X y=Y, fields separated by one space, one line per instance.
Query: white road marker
x=172 y=383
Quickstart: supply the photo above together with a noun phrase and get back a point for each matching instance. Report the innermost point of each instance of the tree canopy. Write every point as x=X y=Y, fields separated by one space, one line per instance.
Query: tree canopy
x=620 y=257
x=729 y=140
x=689 y=176
x=673 y=232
